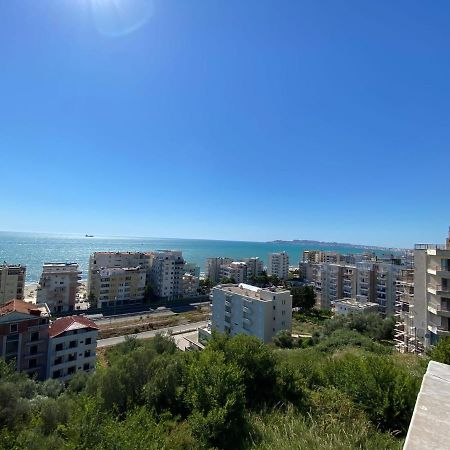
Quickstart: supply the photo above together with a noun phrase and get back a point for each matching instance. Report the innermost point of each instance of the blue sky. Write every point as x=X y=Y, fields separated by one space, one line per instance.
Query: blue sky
x=247 y=120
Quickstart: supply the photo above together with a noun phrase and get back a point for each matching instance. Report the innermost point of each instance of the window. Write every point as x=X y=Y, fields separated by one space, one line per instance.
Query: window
x=72 y=357
x=86 y=366
x=33 y=350
x=57 y=361
x=32 y=363
x=56 y=374
x=73 y=344
x=13 y=328
x=59 y=347
x=87 y=353
x=71 y=370
x=34 y=336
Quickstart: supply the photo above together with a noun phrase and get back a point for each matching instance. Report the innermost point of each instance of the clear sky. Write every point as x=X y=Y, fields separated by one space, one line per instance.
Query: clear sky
x=227 y=119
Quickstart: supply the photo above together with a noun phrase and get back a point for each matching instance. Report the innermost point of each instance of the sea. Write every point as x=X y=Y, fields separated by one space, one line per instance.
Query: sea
x=34 y=249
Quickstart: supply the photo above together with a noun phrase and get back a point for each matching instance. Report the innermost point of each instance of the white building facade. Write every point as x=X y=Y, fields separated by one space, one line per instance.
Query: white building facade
x=250 y=310
x=72 y=347
x=278 y=265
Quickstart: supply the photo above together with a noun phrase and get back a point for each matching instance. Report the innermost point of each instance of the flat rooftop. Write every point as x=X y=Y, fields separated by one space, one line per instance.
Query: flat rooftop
x=353 y=302
x=431 y=418
x=248 y=290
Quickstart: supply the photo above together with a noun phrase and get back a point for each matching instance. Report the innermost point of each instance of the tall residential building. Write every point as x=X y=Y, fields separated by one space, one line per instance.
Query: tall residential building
x=72 y=347
x=214 y=266
x=320 y=256
x=116 y=286
x=24 y=337
x=432 y=291
x=236 y=271
x=250 y=310
x=278 y=265
x=255 y=267
x=12 y=282
x=58 y=286
x=167 y=268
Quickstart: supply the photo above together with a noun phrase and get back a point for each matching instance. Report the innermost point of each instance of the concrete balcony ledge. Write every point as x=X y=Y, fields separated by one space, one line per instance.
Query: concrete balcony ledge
x=431 y=418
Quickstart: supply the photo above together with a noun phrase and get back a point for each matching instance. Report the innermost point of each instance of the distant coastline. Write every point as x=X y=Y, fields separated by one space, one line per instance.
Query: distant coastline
x=336 y=244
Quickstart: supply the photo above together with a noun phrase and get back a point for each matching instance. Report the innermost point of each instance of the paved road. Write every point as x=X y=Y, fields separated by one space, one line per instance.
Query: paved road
x=148 y=334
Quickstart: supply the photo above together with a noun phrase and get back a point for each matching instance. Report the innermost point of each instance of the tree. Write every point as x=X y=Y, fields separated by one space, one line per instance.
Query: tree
x=284 y=339
x=149 y=294
x=303 y=297
x=441 y=352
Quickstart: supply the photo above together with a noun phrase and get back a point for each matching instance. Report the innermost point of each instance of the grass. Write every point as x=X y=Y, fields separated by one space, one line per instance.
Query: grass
x=148 y=323
x=309 y=322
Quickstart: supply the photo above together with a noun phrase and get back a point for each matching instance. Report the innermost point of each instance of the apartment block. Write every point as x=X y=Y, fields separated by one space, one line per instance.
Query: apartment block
x=116 y=286
x=24 y=337
x=278 y=265
x=432 y=291
x=58 y=286
x=12 y=282
x=214 y=266
x=250 y=310
x=255 y=267
x=104 y=260
x=167 y=268
x=72 y=347
x=236 y=271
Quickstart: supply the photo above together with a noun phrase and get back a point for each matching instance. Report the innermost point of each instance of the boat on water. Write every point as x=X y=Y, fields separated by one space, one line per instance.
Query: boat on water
x=88 y=235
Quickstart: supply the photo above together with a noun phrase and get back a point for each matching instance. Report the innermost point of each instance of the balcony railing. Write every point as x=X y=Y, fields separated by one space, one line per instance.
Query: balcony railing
x=430 y=247
x=439 y=288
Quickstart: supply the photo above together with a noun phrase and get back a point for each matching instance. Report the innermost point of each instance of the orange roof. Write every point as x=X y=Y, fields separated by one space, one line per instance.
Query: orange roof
x=19 y=306
x=69 y=323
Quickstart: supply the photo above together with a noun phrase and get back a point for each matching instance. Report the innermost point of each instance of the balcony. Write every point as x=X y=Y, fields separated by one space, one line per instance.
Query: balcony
x=438 y=289
x=440 y=271
x=439 y=310
x=440 y=331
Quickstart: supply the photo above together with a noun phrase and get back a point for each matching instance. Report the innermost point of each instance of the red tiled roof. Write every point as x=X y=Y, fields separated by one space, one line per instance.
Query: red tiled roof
x=19 y=306
x=61 y=325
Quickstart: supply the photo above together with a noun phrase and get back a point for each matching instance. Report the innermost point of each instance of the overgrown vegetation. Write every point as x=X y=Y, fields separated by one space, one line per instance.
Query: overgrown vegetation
x=344 y=391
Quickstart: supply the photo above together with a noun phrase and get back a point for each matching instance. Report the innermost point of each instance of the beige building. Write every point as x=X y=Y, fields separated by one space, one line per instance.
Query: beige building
x=214 y=266
x=236 y=271
x=432 y=291
x=12 y=282
x=104 y=260
x=58 y=286
x=255 y=267
x=116 y=286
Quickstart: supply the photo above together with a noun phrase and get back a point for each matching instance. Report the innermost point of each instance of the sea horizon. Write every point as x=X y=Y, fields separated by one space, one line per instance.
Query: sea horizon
x=35 y=249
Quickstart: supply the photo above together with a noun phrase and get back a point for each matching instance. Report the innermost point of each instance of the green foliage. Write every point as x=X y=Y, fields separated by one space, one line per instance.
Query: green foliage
x=303 y=297
x=441 y=352
x=371 y=325
x=345 y=391
x=284 y=339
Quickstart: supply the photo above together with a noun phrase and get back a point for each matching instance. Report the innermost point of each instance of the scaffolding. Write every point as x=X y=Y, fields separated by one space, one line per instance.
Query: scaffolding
x=405 y=337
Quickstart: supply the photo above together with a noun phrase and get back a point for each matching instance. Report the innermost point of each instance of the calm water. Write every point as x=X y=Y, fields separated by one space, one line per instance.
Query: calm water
x=35 y=249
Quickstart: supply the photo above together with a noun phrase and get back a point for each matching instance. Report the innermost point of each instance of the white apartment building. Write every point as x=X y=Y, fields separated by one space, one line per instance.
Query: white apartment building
x=58 y=286
x=236 y=271
x=72 y=347
x=347 y=306
x=431 y=309
x=278 y=265
x=116 y=286
x=167 y=268
x=214 y=266
x=250 y=310
x=12 y=282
